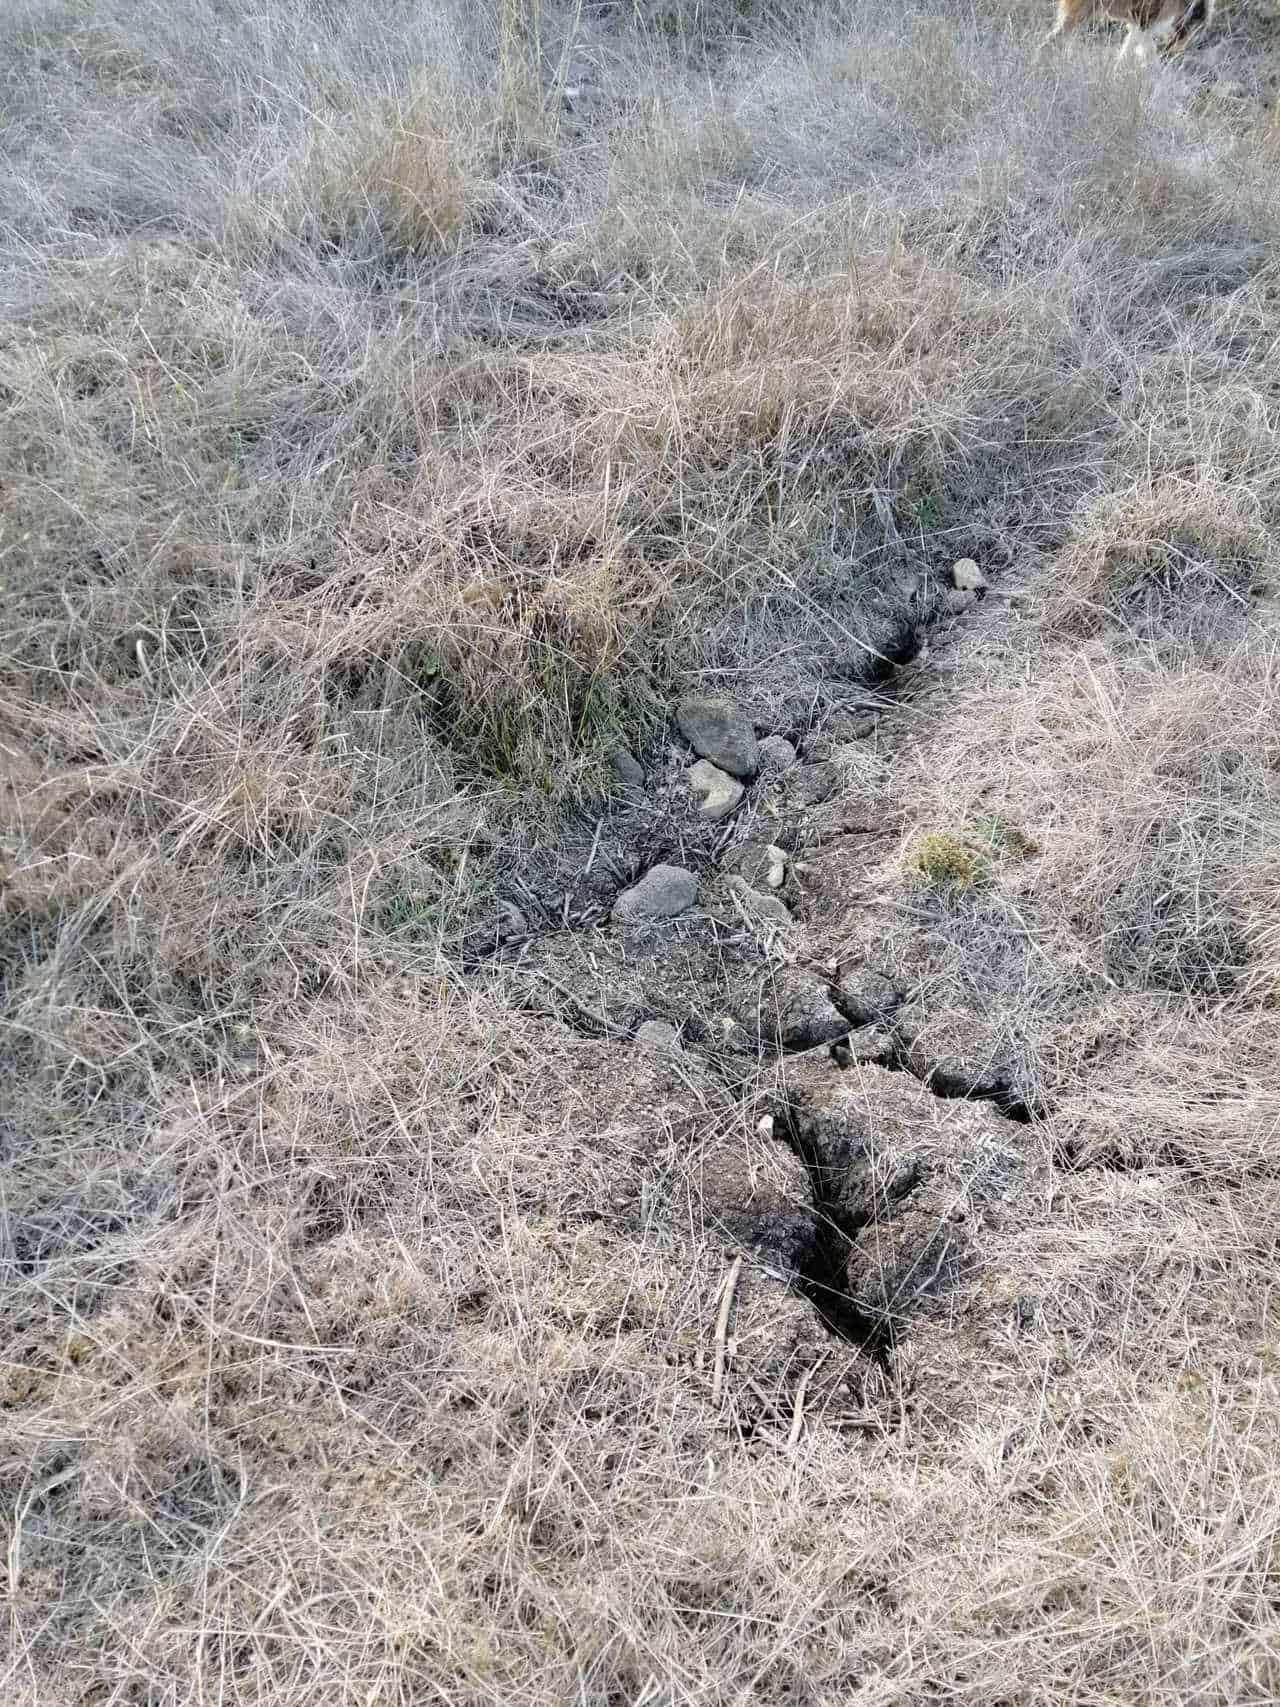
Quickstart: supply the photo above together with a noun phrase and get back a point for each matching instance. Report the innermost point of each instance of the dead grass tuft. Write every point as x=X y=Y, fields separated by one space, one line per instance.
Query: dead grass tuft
x=1177 y=544
x=400 y=177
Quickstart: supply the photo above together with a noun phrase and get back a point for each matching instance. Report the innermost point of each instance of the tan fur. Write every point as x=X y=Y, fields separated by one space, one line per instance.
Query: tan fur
x=1165 y=21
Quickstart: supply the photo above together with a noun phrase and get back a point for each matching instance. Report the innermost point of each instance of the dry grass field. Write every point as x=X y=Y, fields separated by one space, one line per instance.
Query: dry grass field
x=401 y=406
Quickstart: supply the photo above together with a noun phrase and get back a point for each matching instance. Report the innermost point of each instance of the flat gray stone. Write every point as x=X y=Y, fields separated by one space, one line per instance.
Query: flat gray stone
x=663 y=893
x=719 y=792
x=776 y=754
x=627 y=768
x=658 y=1035
x=721 y=731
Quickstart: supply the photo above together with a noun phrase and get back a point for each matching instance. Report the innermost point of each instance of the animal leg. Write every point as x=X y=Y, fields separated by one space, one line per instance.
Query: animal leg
x=1070 y=12
x=1181 y=29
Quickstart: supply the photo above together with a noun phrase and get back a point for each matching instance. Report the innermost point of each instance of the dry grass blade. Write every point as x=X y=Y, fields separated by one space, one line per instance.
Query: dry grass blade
x=728 y=1287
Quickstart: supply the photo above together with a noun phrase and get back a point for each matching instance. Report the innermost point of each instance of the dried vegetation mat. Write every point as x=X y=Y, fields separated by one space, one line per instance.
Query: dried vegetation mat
x=400 y=407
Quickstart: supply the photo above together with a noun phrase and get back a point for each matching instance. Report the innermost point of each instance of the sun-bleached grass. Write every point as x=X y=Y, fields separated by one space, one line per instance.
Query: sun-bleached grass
x=380 y=444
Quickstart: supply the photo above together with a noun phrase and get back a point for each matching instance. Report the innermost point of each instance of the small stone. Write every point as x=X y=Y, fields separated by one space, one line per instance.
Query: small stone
x=627 y=768
x=764 y=908
x=776 y=754
x=721 y=731
x=775 y=871
x=658 y=1035
x=764 y=1126
x=966 y=577
x=663 y=893
x=720 y=792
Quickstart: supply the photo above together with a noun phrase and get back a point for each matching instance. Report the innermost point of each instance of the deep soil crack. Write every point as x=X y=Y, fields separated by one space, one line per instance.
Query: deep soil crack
x=822 y=1268
x=821 y=1264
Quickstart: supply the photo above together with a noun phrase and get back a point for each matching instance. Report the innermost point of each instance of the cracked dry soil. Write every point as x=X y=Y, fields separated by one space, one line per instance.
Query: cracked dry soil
x=816 y=1103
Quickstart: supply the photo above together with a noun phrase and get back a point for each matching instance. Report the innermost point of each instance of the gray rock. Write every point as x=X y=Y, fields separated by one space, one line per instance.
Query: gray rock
x=766 y=908
x=627 y=768
x=657 y=1035
x=776 y=754
x=663 y=893
x=720 y=792
x=721 y=731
